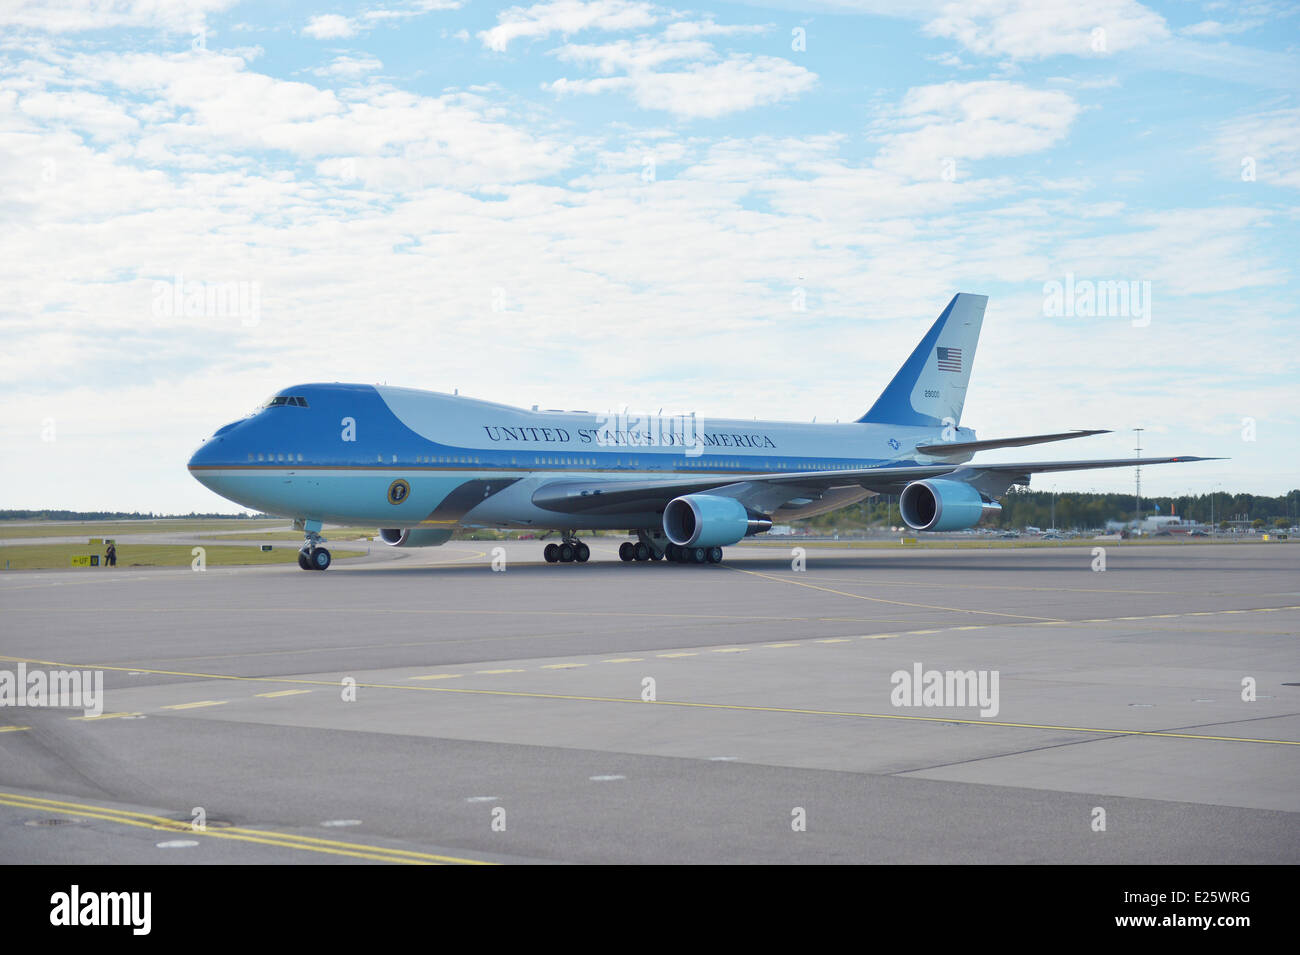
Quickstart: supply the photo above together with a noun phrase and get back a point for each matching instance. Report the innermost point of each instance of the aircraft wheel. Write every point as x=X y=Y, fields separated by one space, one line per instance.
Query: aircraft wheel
x=551 y=553
x=581 y=552
x=656 y=554
x=626 y=551
x=715 y=555
x=683 y=555
x=320 y=559
x=642 y=552
x=566 y=553
x=303 y=562
x=698 y=555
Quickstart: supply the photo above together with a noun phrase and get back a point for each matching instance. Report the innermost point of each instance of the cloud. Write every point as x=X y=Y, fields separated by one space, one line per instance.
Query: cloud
x=704 y=84
x=692 y=29
x=1035 y=29
x=566 y=17
x=330 y=26
x=706 y=90
x=1216 y=28
x=74 y=16
x=1265 y=144
x=975 y=120
x=348 y=66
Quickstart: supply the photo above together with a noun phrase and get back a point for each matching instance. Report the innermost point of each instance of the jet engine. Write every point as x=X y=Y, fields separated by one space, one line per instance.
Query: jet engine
x=938 y=505
x=706 y=520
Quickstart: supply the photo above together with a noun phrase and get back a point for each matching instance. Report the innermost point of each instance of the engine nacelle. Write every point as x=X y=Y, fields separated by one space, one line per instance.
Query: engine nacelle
x=706 y=520
x=938 y=505
x=419 y=537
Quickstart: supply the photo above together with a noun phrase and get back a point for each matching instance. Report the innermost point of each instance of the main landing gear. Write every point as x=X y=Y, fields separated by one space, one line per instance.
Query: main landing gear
x=313 y=556
x=682 y=555
x=570 y=550
x=627 y=551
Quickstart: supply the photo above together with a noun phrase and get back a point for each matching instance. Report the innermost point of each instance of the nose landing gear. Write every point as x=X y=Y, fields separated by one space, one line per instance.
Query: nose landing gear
x=312 y=556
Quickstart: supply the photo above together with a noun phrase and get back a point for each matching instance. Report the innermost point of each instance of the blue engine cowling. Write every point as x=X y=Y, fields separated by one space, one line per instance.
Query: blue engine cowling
x=943 y=506
x=420 y=537
x=706 y=520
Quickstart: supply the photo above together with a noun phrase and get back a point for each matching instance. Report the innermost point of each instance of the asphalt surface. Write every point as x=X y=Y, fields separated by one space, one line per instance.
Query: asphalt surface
x=418 y=706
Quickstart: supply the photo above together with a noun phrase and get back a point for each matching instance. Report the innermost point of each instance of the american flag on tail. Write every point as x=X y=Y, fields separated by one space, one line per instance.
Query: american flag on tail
x=949 y=359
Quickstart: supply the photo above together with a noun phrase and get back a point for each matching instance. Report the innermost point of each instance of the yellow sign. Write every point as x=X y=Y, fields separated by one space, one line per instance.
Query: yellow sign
x=96 y=540
x=81 y=561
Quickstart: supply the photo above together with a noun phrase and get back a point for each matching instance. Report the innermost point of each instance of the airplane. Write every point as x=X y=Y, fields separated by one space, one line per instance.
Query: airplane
x=421 y=464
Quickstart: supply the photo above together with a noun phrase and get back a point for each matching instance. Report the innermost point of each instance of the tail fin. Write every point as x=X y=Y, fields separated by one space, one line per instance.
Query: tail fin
x=931 y=385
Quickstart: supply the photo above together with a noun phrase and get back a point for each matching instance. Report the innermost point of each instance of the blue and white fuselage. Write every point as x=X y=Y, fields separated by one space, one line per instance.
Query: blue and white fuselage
x=419 y=464
x=333 y=453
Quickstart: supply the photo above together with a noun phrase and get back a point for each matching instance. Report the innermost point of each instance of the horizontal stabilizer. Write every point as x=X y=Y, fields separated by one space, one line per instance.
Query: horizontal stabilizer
x=950 y=448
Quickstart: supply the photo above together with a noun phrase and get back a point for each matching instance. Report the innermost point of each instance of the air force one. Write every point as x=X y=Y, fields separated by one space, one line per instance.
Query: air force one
x=420 y=464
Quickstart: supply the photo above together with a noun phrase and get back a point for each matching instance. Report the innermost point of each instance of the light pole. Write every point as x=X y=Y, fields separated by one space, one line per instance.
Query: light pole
x=1137 y=476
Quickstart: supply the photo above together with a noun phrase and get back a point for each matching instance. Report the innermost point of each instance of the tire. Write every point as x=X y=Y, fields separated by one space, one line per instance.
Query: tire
x=581 y=552
x=698 y=555
x=626 y=551
x=303 y=562
x=551 y=553
x=656 y=554
x=566 y=553
x=715 y=555
x=683 y=555
x=320 y=559
x=642 y=552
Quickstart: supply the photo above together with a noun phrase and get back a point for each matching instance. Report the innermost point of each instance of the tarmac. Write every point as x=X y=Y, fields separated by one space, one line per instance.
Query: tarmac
x=419 y=706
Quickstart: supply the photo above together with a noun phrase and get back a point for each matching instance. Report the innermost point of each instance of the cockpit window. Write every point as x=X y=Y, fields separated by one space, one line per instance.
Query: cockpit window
x=279 y=401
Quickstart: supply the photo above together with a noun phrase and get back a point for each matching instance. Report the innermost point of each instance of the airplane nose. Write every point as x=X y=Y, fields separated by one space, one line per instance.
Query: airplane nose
x=214 y=451
x=204 y=455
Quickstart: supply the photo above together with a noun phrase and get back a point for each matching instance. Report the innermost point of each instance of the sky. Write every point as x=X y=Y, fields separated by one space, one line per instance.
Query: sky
x=738 y=210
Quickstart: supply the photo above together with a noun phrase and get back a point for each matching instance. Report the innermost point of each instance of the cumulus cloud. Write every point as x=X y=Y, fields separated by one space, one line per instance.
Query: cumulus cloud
x=1034 y=29
x=973 y=120
x=74 y=16
x=705 y=90
x=349 y=66
x=566 y=17
x=682 y=73
x=330 y=26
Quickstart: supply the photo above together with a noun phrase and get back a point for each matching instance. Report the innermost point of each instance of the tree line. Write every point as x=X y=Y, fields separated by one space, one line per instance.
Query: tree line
x=1084 y=510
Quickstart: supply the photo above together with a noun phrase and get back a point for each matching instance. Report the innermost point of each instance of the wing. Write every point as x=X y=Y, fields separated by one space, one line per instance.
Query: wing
x=946 y=449
x=765 y=493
